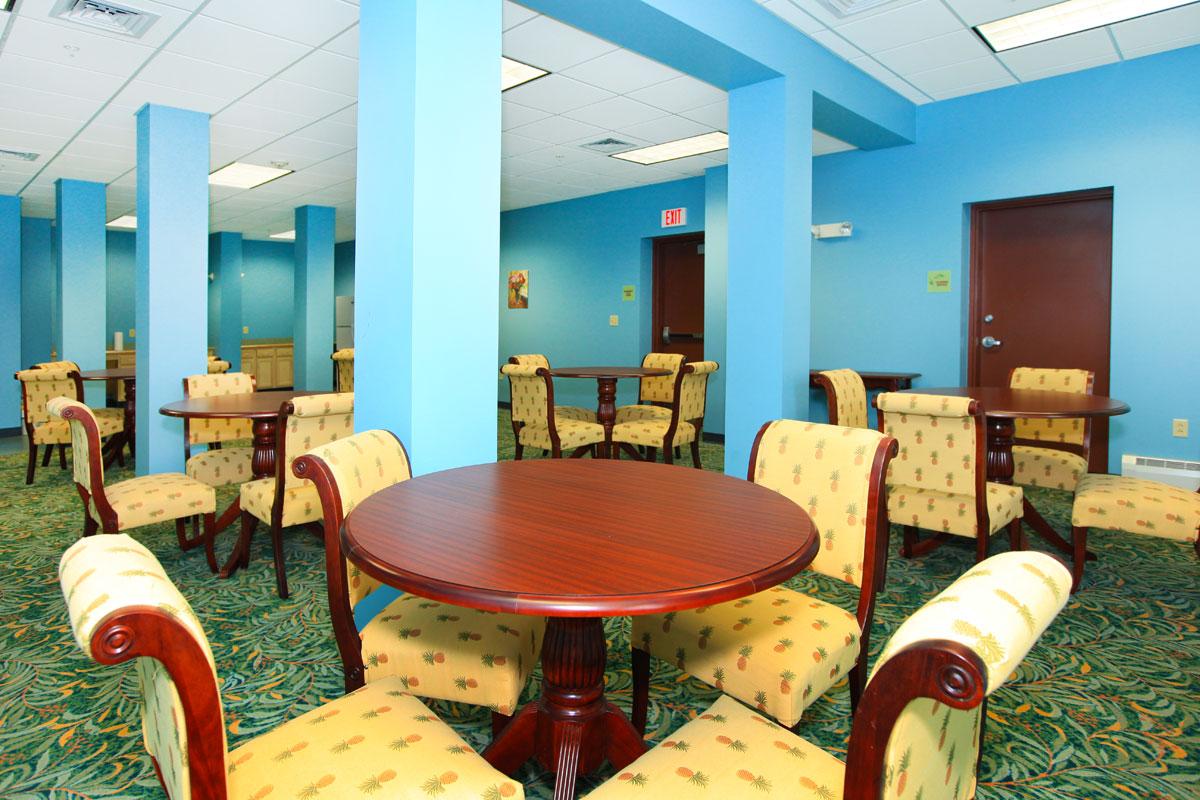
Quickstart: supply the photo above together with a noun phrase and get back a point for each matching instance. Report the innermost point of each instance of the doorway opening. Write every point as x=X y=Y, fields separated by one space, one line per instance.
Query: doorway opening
x=678 y=296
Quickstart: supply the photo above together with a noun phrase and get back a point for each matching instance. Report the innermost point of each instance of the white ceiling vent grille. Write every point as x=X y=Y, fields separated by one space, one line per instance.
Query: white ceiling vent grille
x=108 y=17
x=606 y=146
x=848 y=8
x=17 y=155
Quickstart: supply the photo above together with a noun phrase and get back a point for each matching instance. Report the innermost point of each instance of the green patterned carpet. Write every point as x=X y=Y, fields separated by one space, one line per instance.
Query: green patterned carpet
x=1105 y=706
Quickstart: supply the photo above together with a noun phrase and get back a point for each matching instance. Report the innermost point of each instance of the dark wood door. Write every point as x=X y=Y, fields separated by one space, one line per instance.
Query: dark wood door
x=1041 y=290
x=679 y=295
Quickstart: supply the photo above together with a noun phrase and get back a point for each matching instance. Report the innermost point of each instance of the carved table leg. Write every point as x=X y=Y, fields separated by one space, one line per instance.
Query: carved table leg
x=130 y=416
x=262 y=465
x=606 y=411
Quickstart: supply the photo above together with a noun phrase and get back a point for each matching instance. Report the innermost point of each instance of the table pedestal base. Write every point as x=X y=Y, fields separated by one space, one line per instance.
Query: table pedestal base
x=606 y=412
x=262 y=465
x=572 y=728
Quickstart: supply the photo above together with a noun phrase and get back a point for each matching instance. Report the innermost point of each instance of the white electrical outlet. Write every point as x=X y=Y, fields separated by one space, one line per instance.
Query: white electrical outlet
x=612 y=320
x=1179 y=428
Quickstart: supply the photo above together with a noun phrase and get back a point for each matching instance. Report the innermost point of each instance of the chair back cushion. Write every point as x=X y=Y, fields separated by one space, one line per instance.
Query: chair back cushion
x=39 y=386
x=662 y=388
x=80 y=441
x=826 y=470
x=113 y=573
x=850 y=396
x=216 y=366
x=1075 y=381
x=69 y=366
x=693 y=390
x=208 y=431
x=530 y=360
x=937 y=441
x=316 y=420
x=528 y=393
x=998 y=608
x=344 y=362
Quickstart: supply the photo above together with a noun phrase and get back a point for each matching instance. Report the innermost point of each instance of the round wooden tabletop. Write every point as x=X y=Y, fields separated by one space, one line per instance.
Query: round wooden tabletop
x=579 y=538
x=609 y=372
x=115 y=374
x=252 y=405
x=1000 y=401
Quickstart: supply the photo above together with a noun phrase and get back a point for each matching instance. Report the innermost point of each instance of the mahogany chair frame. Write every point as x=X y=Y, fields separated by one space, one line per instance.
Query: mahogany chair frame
x=552 y=425
x=875 y=554
x=670 y=452
x=108 y=516
x=31 y=466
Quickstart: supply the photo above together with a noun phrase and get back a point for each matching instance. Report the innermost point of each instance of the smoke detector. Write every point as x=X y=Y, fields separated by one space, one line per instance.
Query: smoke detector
x=607 y=146
x=108 y=17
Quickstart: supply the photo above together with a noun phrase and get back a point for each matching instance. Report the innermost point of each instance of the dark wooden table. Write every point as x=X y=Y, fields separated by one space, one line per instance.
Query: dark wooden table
x=884 y=381
x=262 y=409
x=606 y=391
x=128 y=375
x=577 y=541
x=1002 y=406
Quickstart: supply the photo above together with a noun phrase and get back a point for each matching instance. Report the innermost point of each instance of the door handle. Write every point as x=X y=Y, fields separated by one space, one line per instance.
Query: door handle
x=989 y=342
x=666 y=334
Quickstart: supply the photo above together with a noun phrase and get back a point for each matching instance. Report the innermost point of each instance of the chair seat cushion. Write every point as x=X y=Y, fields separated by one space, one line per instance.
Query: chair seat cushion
x=730 y=752
x=650 y=432
x=1048 y=468
x=452 y=653
x=221 y=467
x=574 y=413
x=157 y=498
x=378 y=742
x=571 y=434
x=1135 y=505
x=948 y=512
x=301 y=503
x=640 y=412
x=778 y=650
x=58 y=431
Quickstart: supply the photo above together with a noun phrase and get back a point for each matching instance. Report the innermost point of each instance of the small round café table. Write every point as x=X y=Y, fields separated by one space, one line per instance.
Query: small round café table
x=262 y=409
x=606 y=390
x=127 y=375
x=576 y=541
x=1003 y=406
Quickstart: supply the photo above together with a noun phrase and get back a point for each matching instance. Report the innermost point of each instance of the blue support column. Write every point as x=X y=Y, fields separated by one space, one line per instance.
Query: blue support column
x=10 y=310
x=172 y=260
x=428 y=228
x=313 y=307
x=225 y=264
x=82 y=276
x=770 y=260
x=37 y=290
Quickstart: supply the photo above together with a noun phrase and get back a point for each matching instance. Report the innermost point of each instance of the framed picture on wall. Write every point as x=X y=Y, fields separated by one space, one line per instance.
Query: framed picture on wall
x=518 y=288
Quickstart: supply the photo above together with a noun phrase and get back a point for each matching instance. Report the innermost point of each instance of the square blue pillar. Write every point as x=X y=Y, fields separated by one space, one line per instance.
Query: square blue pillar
x=770 y=261
x=428 y=227
x=313 y=307
x=82 y=277
x=171 y=299
x=10 y=310
x=225 y=265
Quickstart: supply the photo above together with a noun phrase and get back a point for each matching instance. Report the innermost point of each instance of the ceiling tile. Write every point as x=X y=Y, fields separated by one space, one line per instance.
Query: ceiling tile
x=122 y=152
x=1137 y=52
x=823 y=144
x=234 y=46
x=940 y=81
x=11 y=119
x=794 y=16
x=680 y=94
x=513 y=145
x=555 y=94
x=714 y=115
x=513 y=115
x=977 y=12
x=1165 y=26
x=899 y=26
x=137 y=93
x=74 y=47
x=310 y=22
x=333 y=132
x=22 y=98
x=890 y=79
x=556 y=130
x=1038 y=60
x=248 y=115
x=51 y=77
x=44 y=146
x=169 y=20
x=551 y=45
x=973 y=88
x=837 y=45
x=616 y=112
x=346 y=44
x=514 y=14
x=621 y=72
x=245 y=139
x=667 y=129
x=1062 y=69
x=296 y=98
x=940 y=51
x=182 y=72
x=299 y=153
x=326 y=71
x=111 y=135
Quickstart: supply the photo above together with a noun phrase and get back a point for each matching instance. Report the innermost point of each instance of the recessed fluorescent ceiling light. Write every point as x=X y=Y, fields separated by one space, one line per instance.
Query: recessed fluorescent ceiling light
x=6 y=5
x=127 y=221
x=680 y=148
x=514 y=73
x=289 y=235
x=1063 y=19
x=245 y=176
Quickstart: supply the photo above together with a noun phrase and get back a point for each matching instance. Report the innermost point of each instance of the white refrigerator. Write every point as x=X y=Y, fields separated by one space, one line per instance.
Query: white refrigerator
x=343 y=322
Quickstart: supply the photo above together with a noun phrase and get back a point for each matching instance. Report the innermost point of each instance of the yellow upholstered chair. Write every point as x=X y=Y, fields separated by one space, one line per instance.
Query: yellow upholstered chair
x=918 y=729
x=1052 y=453
x=780 y=649
x=532 y=396
x=435 y=649
x=655 y=395
x=685 y=425
x=377 y=742
x=132 y=503
x=38 y=386
x=1132 y=505
x=70 y=366
x=217 y=367
x=560 y=412
x=343 y=362
x=285 y=500
x=939 y=481
x=217 y=465
x=846 y=397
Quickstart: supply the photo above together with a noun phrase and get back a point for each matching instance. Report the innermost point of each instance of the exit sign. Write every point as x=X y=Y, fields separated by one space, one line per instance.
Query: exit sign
x=674 y=217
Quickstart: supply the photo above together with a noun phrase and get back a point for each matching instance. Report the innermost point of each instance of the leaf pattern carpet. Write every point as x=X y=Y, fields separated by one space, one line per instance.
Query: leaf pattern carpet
x=1105 y=706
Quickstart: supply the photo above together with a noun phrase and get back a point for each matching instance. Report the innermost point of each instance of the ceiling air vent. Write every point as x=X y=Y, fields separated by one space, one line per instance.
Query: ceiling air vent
x=108 y=17
x=848 y=8
x=17 y=155
x=606 y=146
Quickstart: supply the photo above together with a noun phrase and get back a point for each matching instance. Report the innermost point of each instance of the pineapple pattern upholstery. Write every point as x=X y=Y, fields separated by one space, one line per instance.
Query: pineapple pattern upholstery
x=227 y=465
x=531 y=388
x=379 y=739
x=560 y=412
x=997 y=610
x=42 y=384
x=687 y=415
x=846 y=396
x=216 y=366
x=1044 y=466
x=69 y=366
x=660 y=389
x=780 y=650
x=343 y=361
x=434 y=649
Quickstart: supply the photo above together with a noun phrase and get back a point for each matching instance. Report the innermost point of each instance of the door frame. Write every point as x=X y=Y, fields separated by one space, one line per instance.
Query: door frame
x=975 y=284
x=655 y=281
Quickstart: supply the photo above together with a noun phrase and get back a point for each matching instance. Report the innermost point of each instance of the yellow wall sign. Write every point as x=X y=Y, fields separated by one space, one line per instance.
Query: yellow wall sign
x=938 y=280
x=627 y=293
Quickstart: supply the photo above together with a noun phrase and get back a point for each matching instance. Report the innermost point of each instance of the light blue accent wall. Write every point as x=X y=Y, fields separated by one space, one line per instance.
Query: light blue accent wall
x=122 y=267
x=38 y=286
x=1134 y=126
x=10 y=311
x=81 y=261
x=428 y=231
x=225 y=264
x=171 y=275
x=716 y=278
x=313 y=298
x=579 y=254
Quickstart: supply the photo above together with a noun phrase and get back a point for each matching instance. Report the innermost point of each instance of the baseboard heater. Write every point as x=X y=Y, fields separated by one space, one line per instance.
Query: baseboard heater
x=1184 y=474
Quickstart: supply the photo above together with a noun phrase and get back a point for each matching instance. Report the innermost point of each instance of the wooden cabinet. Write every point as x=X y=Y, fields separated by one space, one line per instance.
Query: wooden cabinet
x=270 y=362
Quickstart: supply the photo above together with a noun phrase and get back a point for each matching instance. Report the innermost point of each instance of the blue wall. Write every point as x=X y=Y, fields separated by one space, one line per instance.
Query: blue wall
x=38 y=285
x=1134 y=126
x=120 y=286
x=579 y=254
x=343 y=269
